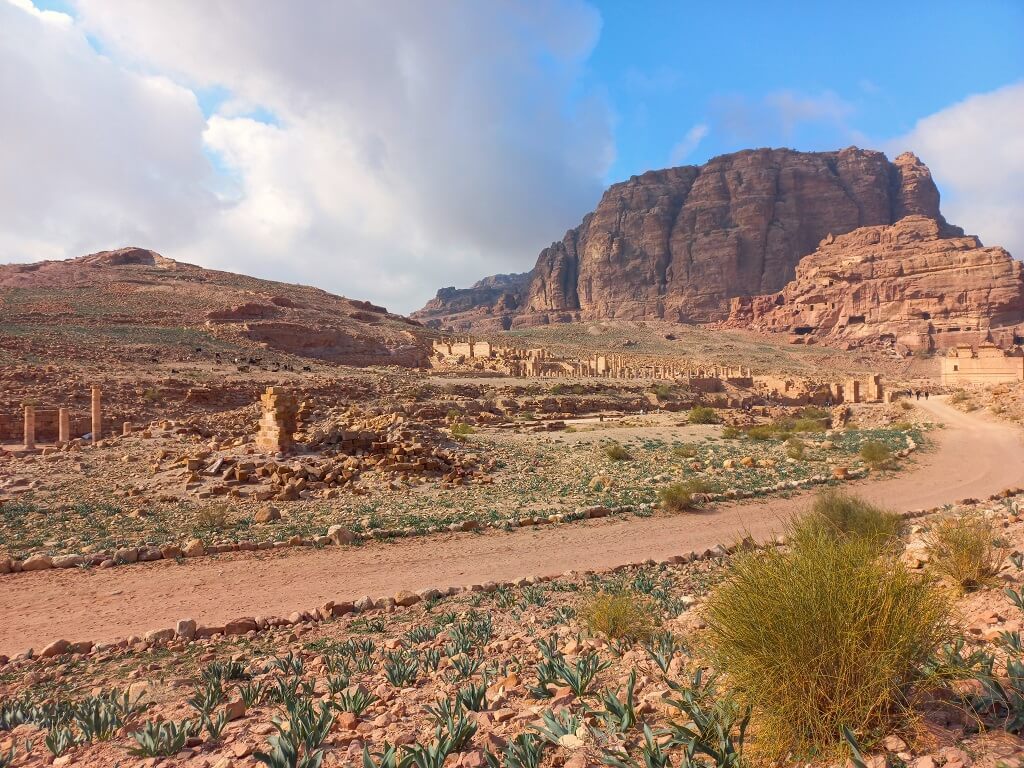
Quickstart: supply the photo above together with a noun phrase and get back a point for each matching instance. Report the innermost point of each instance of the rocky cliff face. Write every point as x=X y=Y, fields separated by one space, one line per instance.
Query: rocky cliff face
x=905 y=284
x=677 y=244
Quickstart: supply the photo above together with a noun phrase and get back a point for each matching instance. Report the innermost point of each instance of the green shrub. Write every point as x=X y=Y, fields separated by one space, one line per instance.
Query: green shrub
x=664 y=391
x=795 y=448
x=823 y=635
x=620 y=616
x=876 y=454
x=461 y=430
x=685 y=451
x=960 y=396
x=617 y=452
x=703 y=415
x=843 y=515
x=809 y=425
x=762 y=432
x=906 y=405
x=965 y=551
x=730 y=432
x=684 y=496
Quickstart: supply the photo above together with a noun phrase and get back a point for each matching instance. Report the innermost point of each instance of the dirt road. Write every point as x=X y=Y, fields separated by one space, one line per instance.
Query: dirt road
x=974 y=455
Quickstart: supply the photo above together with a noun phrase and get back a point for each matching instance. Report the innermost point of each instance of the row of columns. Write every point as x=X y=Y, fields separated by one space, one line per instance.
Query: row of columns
x=64 y=422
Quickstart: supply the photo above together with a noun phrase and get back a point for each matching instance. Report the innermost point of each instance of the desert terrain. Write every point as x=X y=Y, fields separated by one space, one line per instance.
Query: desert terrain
x=772 y=520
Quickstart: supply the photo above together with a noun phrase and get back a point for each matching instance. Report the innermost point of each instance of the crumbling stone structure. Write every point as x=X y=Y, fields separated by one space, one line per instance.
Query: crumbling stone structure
x=987 y=365
x=278 y=421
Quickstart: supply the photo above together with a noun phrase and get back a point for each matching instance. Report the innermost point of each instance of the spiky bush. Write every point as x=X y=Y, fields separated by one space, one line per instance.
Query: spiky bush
x=825 y=634
x=876 y=454
x=684 y=496
x=620 y=616
x=616 y=452
x=964 y=550
x=842 y=515
x=703 y=415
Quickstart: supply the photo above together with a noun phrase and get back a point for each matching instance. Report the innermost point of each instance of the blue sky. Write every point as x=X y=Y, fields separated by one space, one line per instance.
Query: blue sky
x=668 y=66
x=383 y=149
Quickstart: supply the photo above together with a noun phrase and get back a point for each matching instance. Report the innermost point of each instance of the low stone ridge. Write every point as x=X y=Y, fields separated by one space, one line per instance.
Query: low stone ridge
x=905 y=284
x=91 y=300
x=677 y=244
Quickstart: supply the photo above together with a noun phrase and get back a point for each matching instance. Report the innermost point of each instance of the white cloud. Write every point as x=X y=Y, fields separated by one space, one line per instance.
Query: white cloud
x=415 y=144
x=975 y=149
x=92 y=156
x=786 y=117
x=688 y=143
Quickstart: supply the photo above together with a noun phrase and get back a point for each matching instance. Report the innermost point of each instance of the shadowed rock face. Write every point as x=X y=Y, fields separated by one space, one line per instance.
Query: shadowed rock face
x=905 y=284
x=677 y=244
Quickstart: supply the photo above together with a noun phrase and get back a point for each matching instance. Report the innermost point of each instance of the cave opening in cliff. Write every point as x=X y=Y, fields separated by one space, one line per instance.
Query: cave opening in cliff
x=855 y=320
x=803 y=330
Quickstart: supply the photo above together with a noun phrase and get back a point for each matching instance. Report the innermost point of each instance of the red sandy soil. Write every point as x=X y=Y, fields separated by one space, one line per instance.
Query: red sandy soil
x=973 y=456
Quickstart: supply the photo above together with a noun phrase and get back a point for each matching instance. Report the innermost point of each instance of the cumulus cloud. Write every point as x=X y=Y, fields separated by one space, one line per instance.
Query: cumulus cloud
x=685 y=146
x=412 y=145
x=91 y=155
x=975 y=149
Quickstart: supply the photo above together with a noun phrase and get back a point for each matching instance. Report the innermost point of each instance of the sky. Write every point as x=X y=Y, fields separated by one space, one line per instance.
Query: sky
x=382 y=150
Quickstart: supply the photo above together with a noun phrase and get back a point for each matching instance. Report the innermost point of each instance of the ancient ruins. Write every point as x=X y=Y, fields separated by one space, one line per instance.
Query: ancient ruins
x=277 y=422
x=473 y=354
x=986 y=364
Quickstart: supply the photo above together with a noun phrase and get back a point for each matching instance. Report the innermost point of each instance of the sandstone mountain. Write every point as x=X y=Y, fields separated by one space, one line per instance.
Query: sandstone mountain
x=904 y=284
x=135 y=303
x=677 y=244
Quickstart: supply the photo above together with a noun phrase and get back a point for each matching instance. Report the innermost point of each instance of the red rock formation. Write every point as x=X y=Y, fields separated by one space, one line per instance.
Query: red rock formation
x=677 y=244
x=903 y=284
x=102 y=294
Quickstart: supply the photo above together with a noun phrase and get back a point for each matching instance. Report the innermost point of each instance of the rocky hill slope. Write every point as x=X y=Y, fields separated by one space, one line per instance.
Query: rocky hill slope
x=677 y=244
x=903 y=284
x=131 y=302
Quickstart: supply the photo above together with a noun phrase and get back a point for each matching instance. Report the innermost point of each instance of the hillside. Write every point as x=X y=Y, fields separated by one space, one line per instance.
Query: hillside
x=134 y=304
x=677 y=244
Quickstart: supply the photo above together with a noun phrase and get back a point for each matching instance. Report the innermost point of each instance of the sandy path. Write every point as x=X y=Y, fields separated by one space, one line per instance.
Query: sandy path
x=973 y=456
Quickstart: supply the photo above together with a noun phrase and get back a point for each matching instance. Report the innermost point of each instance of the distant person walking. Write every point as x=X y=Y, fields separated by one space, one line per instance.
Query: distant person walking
x=926 y=395
x=917 y=393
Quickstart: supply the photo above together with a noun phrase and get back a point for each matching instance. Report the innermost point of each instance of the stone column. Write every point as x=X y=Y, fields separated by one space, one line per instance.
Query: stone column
x=63 y=426
x=126 y=428
x=30 y=427
x=97 y=415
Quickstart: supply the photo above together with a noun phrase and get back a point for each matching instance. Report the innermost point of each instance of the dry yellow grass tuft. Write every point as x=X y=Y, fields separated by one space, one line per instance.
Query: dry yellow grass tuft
x=825 y=635
x=620 y=616
x=965 y=551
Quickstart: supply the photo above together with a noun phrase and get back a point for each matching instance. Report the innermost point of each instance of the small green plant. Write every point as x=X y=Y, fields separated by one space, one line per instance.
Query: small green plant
x=663 y=649
x=702 y=415
x=252 y=693
x=215 y=725
x=964 y=550
x=216 y=517
x=161 y=738
x=473 y=697
x=729 y=432
x=616 y=452
x=461 y=430
x=298 y=739
x=401 y=670
x=553 y=726
x=685 y=496
x=355 y=700
x=580 y=674
x=876 y=454
x=59 y=740
x=716 y=728
x=619 y=715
